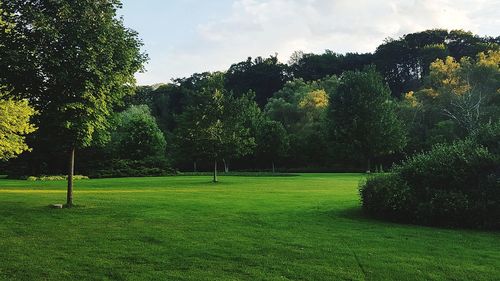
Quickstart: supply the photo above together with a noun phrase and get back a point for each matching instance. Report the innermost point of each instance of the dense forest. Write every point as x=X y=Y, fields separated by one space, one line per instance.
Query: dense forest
x=318 y=112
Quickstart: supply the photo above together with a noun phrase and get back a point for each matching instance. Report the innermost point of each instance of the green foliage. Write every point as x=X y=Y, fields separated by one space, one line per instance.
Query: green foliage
x=458 y=97
x=362 y=117
x=405 y=61
x=489 y=136
x=120 y=168
x=262 y=76
x=301 y=107
x=313 y=67
x=272 y=142
x=136 y=135
x=137 y=147
x=14 y=125
x=216 y=124
x=72 y=65
x=451 y=185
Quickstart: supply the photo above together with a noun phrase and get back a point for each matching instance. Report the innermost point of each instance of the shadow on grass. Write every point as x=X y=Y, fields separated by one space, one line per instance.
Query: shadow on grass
x=357 y=214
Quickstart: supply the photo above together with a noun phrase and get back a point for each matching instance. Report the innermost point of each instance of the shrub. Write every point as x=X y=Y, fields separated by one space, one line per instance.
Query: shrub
x=451 y=185
x=119 y=168
x=385 y=195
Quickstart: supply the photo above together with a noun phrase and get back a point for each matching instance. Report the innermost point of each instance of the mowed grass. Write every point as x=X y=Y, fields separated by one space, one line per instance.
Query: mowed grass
x=307 y=227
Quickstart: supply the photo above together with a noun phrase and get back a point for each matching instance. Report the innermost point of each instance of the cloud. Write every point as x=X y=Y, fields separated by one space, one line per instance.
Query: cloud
x=265 y=27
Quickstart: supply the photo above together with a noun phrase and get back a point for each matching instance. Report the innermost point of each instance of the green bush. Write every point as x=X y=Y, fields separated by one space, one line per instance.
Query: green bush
x=119 y=168
x=386 y=195
x=451 y=185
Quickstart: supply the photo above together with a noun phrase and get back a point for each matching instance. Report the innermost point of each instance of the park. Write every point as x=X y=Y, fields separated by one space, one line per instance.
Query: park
x=297 y=227
x=249 y=140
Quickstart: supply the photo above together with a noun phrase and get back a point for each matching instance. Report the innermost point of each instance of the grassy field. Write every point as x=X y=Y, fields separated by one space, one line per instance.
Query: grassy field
x=307 y=227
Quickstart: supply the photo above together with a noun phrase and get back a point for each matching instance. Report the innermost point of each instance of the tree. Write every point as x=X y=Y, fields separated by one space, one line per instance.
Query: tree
x=14 y=116
x=362 y=117
x=137 y=136
x=213 y=125
x=272 y=142
x=458 y=97
x=74 y=61
x=14 y=125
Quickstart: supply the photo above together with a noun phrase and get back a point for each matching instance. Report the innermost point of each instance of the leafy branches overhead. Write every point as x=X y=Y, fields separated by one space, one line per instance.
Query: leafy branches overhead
x=74 y=61
x=79 y=58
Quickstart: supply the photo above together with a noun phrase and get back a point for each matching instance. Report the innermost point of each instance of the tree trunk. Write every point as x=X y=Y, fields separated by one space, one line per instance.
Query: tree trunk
x=369 y=166
x=226 y=166
x=71 y=170
x=215 y=172
x=274 y=170
x=195 y=169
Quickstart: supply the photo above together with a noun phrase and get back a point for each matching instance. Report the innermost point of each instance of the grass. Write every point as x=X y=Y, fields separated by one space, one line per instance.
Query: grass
x=307 y=227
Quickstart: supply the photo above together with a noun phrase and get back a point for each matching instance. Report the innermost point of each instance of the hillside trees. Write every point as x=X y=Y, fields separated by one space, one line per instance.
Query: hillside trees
x=263 y=76
x=457 y=98
x=74 y=61
x=313 y=67
x=404 y=62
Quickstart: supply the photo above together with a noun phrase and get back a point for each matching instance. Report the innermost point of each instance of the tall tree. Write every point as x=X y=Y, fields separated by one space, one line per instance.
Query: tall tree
x=362 y=117
x=272 y=142
x=74 y=60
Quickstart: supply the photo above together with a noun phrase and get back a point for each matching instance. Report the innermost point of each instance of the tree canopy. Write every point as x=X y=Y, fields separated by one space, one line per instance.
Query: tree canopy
x=74 y=61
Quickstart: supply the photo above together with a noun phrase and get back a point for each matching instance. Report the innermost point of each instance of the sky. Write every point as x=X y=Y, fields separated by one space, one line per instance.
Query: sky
x=183 y=37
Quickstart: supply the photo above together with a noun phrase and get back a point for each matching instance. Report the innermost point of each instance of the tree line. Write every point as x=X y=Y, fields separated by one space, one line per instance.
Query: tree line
x=74 y=64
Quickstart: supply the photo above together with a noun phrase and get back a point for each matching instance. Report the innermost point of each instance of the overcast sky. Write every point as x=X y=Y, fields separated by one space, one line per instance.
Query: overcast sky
x=187 y=36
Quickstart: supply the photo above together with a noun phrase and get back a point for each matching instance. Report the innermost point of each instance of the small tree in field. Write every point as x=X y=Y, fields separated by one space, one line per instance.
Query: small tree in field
x=272 y=142
x=362 y=117
x=212 y=126
x=74 y=60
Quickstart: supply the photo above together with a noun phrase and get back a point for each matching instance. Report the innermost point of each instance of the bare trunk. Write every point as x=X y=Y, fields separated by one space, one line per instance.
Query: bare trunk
x=215 y=172
x=226 y=166
x=274 y=170
x=71 y=170
x=195 y=169
x=369 y=166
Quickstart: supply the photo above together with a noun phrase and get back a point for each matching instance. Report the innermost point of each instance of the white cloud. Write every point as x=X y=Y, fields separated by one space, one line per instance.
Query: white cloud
x=265 y=27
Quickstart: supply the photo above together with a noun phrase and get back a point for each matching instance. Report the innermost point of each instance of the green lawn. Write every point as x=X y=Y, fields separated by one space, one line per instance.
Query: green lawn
x=307 y=227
